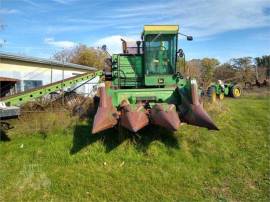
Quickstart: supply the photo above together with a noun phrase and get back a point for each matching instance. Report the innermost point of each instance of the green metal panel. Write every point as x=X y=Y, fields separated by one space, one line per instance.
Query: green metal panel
x=32 y=94
x=156 y=67
x=159 y=80
x=135 y=95
x=130 y=70
x=219 y=89
x=226 y=90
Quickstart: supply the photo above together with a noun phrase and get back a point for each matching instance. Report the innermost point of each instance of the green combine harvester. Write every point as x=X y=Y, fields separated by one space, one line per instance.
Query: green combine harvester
x=145 y=87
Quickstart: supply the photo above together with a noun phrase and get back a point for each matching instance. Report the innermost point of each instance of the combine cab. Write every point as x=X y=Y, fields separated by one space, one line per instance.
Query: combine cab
x=146 y=89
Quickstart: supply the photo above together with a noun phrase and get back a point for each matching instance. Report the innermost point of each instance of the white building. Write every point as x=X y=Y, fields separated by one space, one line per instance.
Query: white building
x=20 y=73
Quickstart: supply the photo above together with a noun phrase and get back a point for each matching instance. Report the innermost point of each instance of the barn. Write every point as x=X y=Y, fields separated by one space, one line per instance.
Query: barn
x=20 y=73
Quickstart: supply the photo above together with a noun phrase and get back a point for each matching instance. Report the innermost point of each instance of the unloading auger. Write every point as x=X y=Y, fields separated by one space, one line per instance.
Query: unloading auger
x=146 y=89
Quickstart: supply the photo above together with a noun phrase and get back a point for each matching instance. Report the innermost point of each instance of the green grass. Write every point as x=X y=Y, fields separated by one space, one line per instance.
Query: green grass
x=193 y=164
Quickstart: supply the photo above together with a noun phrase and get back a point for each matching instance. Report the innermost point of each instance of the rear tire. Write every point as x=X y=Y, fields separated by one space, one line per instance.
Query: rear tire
x=236 y=91
x=211 y=93
x=211 y=90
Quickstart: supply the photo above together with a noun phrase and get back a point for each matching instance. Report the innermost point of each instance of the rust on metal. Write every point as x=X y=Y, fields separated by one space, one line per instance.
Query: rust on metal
x=133 y=120
x=197 y=116
x=194 y=113
x=168 y=119
x=106 y=116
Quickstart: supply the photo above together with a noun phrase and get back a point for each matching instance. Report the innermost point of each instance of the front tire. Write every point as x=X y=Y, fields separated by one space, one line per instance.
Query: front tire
x=221 y=96
x=211 y=91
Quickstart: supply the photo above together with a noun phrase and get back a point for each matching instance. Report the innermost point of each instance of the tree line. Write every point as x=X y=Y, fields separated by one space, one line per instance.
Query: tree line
x=206 y=70
x=241 y=70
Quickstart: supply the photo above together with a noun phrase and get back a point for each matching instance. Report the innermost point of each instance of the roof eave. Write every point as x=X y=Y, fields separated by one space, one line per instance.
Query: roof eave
x=45 y=61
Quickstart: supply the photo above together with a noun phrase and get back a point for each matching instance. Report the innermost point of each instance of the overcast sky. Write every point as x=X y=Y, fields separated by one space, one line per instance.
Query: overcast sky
x=221 y=28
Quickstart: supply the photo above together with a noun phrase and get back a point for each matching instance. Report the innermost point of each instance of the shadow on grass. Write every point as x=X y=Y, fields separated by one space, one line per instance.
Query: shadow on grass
x=112 y=138
x=3 y=136
x=153 y=133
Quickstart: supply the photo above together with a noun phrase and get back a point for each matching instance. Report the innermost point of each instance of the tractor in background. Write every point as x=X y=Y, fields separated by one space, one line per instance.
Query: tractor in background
x=221 y=90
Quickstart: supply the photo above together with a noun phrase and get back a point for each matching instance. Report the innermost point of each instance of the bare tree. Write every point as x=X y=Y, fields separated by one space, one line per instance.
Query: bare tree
x=82 y=55
x=246 y=67
x=263 y=66
x=207 y=72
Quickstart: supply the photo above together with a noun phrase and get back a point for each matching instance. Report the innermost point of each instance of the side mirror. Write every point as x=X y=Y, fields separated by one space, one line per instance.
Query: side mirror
x=189 y=38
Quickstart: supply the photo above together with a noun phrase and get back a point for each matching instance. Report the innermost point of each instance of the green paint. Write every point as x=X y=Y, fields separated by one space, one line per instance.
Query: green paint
x=151 y=75
x=135 y=95
x=226 y=88
x=160 y=80
x=127 y=70
x=45 y=90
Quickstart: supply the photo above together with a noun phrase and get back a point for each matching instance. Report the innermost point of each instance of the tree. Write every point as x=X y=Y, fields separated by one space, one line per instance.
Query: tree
x=225 y=72
x=246 y=67
x=190 y=68
x=65 y=55
x=83 y=55
x=242 y=63
x=263 y=61
x=207 y=72
x=194 y=68
x=181 y=65
x=263 y=64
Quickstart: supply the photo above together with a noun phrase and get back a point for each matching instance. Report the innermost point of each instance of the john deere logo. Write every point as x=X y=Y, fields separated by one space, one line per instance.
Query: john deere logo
x=160 y=80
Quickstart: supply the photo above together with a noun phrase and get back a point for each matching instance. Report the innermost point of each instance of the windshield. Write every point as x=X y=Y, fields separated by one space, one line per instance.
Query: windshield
x=160 y=53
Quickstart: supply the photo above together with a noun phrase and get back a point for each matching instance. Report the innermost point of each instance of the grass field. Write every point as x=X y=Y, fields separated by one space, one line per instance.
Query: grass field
x=194 y=164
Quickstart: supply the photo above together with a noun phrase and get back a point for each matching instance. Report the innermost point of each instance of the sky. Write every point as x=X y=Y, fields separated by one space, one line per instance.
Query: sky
x=221 y=29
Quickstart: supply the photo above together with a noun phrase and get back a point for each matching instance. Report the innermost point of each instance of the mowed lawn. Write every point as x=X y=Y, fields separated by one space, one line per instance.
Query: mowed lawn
x=193 y=164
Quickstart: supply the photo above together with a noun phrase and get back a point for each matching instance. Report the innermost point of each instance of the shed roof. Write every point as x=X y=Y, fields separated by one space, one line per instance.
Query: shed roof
x=8 y=79
x=44 y=61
